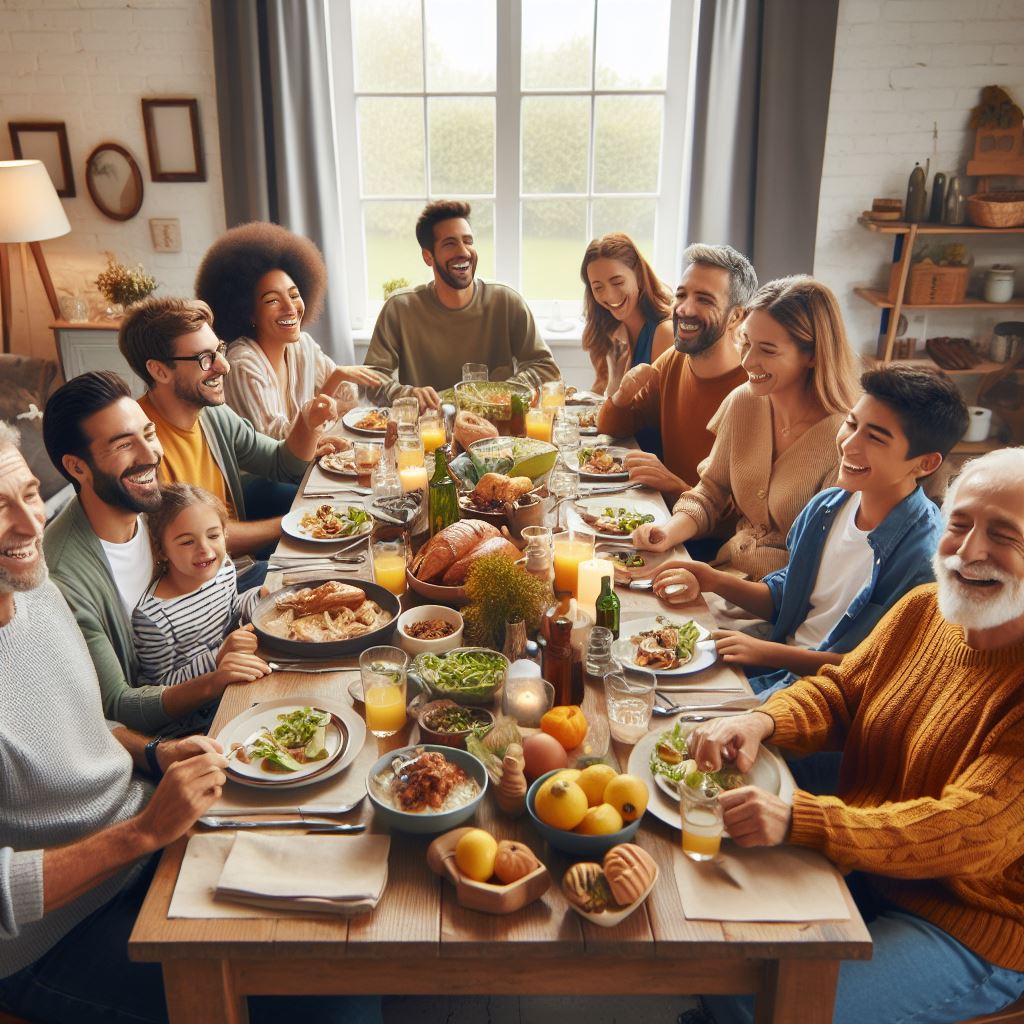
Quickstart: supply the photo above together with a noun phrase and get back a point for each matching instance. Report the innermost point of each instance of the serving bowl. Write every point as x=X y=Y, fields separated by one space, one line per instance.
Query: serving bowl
x=579 y=846
x=502 y=403
x=456 y=596
x=427 y=823
x=530 y=456
x=426 y=712
x=527 y=511
x=415 y=645
x=483 y=697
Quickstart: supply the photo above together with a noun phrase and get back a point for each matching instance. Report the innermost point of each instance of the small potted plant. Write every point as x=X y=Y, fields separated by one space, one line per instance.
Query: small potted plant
x=392 y=286
x=124 y=286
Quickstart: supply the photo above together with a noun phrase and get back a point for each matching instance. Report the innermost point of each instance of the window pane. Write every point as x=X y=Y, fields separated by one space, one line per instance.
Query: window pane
x=391 y=247
x=557 y=43
x=391 y=146
x=627 y=143
x=482 y=222
x=632 y=44
x=461 y=146
x=554 y=238
x=387 y=45
x=556 y=143
x=633 y=216
x=462 y=45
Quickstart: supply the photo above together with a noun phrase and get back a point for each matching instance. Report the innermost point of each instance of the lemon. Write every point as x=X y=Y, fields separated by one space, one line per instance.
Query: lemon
x=601 y=820
x=475 y=854
x=593 y=780
x=628 y=795
x=562 y=805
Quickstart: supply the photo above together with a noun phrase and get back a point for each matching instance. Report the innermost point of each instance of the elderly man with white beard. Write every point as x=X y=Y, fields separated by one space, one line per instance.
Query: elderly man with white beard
x=929 y=714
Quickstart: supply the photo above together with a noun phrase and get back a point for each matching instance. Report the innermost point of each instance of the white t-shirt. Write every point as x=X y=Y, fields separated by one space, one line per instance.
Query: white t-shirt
x=845 y=570
x=131 y=565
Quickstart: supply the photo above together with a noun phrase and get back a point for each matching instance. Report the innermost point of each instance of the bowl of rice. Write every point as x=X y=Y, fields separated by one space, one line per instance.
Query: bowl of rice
x=426 y=789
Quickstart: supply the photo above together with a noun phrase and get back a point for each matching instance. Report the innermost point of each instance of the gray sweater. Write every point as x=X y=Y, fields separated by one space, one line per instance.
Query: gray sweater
x=63 y=775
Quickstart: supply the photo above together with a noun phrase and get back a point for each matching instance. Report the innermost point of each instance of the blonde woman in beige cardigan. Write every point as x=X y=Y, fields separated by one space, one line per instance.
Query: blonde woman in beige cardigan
x=775 y=436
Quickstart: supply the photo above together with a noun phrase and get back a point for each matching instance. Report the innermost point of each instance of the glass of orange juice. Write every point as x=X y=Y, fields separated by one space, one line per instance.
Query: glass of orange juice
x=702 y=822
x=382 y=672
x=410 y=451
x=538 y=424
x=568 y=551
x=552 y=394
x=390 y=558
x=432 y=431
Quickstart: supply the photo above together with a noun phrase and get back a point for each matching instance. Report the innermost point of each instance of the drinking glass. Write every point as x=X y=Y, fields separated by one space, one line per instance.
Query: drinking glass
x=538 y=424
x=390 y=558
x=552 y=394
x=702 y=822
x=629 y=700
x=382 y=673
x=410 y=451
x=568 y=550
x=475 y=371
x=405 y=412
x=366 y=455
x=346 y=397
x=563 y=484
x=565 y=434
x=432 y=430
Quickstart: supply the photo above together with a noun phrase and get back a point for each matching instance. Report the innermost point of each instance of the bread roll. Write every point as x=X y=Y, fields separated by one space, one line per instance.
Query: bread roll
x=449 y=545
x=629 y=871
x=457 y=572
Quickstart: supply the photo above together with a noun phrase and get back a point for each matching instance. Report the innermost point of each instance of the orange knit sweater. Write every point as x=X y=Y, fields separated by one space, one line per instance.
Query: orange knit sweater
x=931 y=789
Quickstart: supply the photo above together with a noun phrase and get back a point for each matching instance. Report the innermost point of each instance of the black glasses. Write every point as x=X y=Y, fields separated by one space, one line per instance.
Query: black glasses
x=204 y=359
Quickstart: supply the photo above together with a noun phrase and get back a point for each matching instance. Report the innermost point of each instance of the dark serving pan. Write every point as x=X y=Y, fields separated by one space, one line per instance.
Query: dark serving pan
x=267 y=609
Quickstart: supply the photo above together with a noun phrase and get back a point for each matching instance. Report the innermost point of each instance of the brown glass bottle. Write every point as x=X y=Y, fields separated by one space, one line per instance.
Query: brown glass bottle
x=556 y=666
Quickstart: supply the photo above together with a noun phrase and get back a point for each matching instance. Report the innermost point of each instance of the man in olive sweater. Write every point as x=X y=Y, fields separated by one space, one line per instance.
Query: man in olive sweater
x=929 y=714
x=424 y=334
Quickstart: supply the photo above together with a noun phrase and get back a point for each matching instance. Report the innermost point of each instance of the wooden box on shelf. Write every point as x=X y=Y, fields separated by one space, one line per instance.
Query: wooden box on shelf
x=930 y=284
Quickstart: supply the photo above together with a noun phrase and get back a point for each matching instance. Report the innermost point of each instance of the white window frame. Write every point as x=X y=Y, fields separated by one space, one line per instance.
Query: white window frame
x=673 y=183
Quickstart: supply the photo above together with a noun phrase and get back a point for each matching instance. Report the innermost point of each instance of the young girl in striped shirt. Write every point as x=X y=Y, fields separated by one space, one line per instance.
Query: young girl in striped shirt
x=186 y=625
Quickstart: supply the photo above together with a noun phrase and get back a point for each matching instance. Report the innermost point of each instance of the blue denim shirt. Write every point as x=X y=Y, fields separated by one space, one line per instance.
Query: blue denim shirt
x=903 y=543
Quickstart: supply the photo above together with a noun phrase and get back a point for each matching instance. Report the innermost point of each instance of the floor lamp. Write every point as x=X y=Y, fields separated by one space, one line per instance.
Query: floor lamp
x=30 y=211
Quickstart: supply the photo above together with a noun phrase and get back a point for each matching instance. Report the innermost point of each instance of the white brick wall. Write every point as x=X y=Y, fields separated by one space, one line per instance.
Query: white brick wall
x=89 y=63
x=906 y=75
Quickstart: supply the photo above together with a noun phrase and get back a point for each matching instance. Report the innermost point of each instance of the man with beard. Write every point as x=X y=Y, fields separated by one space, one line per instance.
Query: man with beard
x=424 y=334
x=929 y=714
x=79 y=823
x=683 y=388
x=98 y=548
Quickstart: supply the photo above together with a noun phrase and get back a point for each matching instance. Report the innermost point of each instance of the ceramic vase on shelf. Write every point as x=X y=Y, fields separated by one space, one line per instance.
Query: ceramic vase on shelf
x=915 y=205
x=938 y=206
x=954 y=213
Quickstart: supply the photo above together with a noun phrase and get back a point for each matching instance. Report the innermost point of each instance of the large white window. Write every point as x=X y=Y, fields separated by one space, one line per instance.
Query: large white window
x=559 y=120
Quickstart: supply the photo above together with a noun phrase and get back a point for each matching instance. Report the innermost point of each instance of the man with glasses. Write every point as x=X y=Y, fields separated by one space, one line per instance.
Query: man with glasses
x=171 y=345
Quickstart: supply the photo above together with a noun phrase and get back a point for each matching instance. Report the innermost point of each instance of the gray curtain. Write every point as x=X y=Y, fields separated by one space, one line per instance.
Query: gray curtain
x=763 y=76
x=277 y=138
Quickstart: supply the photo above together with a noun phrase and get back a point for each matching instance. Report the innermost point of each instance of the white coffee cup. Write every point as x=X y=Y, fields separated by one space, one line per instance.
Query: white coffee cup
x=979 y=423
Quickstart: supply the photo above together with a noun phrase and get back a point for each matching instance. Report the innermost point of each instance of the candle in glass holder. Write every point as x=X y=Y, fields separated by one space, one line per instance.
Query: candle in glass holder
x=538 y=424
x=569 y=551
x=590 y=573
x=414 y=478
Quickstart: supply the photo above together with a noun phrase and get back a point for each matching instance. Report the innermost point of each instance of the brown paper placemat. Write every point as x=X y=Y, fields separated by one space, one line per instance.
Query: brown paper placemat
x=779 y=883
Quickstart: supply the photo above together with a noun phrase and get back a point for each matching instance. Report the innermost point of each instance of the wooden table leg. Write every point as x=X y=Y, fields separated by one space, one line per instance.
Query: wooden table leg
x=203 y=992
x=797 y=990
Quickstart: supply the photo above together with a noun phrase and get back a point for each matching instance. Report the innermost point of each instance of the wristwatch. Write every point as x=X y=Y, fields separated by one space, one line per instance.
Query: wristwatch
x=154 y=765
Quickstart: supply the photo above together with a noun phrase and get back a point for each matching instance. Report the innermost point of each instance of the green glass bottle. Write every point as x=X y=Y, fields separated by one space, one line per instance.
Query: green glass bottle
x=608 y=606
x=443 y=496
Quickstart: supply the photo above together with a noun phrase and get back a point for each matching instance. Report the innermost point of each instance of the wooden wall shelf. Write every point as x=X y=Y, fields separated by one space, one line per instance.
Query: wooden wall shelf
x=879 y=298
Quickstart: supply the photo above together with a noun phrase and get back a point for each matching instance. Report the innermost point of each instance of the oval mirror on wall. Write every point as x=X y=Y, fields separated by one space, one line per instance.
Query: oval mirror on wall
x=114 y=181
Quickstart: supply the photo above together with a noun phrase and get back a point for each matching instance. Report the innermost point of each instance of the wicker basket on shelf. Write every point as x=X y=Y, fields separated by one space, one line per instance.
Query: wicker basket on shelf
x=996 y=209
x=930 y=284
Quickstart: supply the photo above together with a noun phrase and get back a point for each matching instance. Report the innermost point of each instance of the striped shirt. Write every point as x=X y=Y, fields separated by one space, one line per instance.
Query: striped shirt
x=178 y=638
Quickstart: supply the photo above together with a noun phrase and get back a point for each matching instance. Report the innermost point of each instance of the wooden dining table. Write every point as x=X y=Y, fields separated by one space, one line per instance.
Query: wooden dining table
x=419 y=941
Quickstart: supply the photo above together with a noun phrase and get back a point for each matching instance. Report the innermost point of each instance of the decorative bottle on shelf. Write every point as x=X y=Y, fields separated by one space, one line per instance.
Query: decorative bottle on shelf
x=954 y=212
x=557 y=663
x=915 y=205
x=442 y=497
x=608 y=606
x=938 y=206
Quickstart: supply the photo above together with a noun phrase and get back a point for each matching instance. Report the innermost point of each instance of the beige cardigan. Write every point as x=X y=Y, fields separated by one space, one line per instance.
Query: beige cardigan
x=739 y=478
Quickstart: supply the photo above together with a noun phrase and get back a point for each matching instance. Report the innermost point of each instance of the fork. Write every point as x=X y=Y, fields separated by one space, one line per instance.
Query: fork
x=350 y=489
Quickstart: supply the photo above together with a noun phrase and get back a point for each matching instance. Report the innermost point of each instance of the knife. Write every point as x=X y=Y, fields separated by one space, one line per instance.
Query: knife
x=309 y=826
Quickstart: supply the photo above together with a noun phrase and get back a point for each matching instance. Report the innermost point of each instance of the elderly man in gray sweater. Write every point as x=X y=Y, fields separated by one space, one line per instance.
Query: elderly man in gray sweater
x=78 y=825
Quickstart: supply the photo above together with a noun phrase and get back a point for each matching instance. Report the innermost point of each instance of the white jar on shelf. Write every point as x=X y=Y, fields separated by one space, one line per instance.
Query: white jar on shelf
x=999 y=283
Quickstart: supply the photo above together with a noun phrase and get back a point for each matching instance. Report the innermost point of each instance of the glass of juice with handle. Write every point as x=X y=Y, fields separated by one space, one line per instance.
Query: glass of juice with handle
x=382 y=673
x=702 y=821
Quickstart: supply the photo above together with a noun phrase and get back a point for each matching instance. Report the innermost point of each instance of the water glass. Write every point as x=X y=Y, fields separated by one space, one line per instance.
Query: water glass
x=405 y=412
x=474 y=371
x=565 y=434
x=382 y=675
x=701 y=815
x=599 y=661
x=366 y=455
x=629 y=700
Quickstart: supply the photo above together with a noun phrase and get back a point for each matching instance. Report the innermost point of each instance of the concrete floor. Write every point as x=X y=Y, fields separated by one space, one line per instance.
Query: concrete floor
x=534 y=1009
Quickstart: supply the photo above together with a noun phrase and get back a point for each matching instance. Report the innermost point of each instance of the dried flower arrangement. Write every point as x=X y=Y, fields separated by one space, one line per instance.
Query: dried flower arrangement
x=124 y=285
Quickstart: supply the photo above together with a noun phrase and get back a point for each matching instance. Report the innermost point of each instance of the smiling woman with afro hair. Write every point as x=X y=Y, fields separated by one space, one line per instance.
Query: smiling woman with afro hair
x=263 y=283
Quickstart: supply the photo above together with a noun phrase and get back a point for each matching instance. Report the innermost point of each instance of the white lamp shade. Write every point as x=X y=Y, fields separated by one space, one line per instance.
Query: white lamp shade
x=30 y=209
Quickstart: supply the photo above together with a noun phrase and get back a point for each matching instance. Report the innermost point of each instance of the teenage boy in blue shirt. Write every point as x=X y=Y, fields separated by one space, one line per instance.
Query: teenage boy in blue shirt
x=855 y=549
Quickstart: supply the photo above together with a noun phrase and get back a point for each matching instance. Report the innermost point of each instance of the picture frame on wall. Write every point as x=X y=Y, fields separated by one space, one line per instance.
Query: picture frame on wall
x=46 y=141
x=174 y=141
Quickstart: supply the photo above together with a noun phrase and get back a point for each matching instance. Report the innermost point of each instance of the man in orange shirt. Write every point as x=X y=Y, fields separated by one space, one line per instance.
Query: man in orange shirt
x=683 y=388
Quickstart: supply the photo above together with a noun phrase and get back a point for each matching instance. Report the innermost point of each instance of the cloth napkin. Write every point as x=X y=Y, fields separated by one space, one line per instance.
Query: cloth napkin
x=323 y=874
x=779 y=883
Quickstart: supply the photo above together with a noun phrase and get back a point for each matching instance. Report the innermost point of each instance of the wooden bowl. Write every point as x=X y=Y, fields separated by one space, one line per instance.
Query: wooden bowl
x=454 y=597
x=483 y=896
x=449 y=739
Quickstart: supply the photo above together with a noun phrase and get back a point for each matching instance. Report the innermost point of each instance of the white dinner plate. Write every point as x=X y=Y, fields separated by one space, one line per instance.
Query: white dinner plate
x=353 y=416
x=345 y=737
x=617 y=453
x=597 y=503
x=290 y=524
x=704 y=652
x=765 y=773
x=339 y=463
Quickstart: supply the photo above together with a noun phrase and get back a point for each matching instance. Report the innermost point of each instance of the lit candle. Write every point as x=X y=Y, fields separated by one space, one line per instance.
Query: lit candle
x=414 y=478
x=590 y=573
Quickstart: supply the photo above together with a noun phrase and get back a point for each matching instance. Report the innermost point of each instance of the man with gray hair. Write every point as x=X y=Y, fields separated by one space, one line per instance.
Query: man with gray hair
x=683 y=388
x=929 y=816
x=79 y=824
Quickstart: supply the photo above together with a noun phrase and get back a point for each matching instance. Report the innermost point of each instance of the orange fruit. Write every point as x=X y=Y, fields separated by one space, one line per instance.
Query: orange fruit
x=561 y=805
x=628 y=795
x=475 y=853
x=601 y=820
